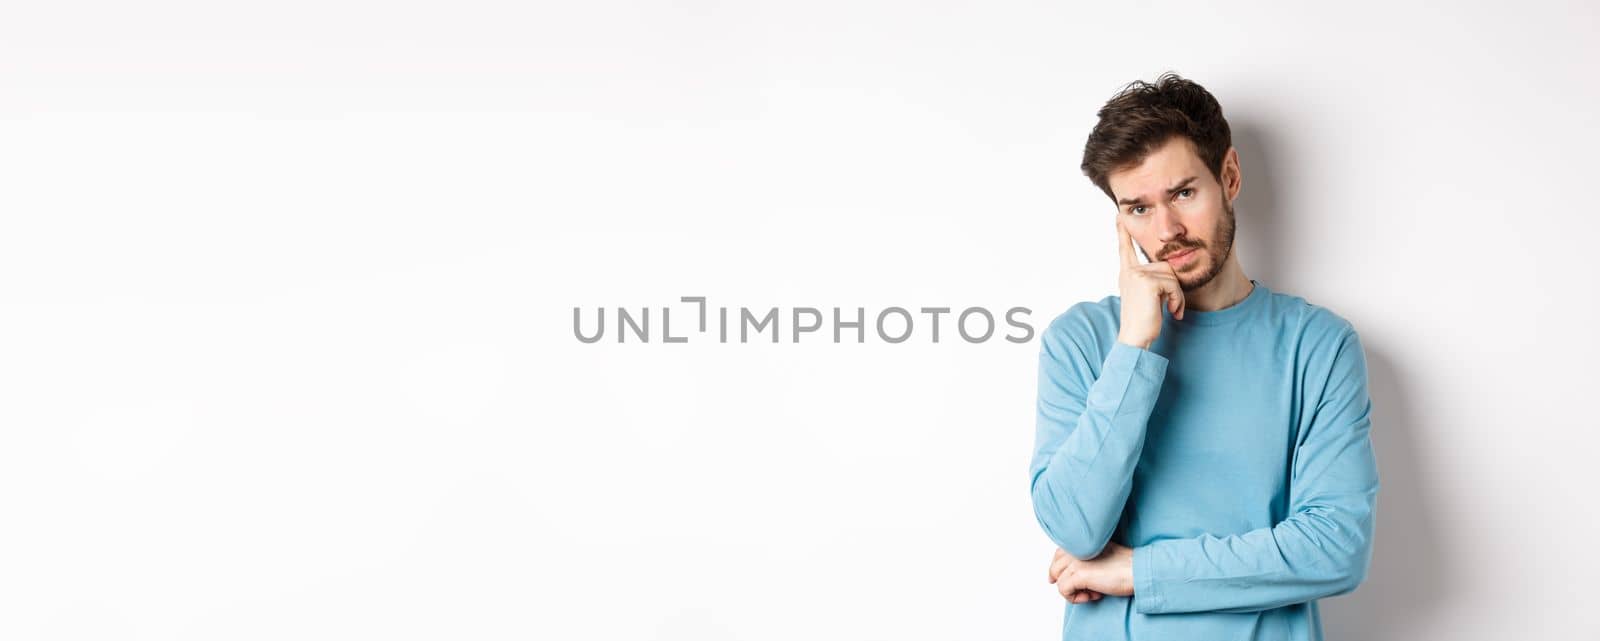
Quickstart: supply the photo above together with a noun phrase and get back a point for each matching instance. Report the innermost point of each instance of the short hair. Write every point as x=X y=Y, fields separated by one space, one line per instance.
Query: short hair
x=1143 y=116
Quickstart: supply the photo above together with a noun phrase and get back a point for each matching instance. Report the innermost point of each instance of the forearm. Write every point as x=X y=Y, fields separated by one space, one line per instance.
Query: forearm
x=1082 y=481
x=1311 y=555
x=1322 y=549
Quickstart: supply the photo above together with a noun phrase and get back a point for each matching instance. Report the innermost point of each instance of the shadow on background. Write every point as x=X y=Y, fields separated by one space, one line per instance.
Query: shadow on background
x=1260 y=233
x=1408 y=576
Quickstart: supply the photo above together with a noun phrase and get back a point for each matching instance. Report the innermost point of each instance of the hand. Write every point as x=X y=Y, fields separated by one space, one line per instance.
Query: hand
x=1077 y=596
x=1082 y=581
x=1144 y=288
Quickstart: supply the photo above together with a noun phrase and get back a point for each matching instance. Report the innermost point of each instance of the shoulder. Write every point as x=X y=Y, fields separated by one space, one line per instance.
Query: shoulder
x=1324 y=335
x=1078 y=339
x=1086 y=322
x=1312 y=320
x=1084 y=332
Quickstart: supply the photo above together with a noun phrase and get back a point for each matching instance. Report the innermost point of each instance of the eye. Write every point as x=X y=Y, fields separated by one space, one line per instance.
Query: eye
x=1135 y=209
x=1187 y=190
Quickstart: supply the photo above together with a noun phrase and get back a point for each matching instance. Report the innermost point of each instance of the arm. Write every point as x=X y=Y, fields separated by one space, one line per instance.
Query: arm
x=1089 y=434
x=1322 y=549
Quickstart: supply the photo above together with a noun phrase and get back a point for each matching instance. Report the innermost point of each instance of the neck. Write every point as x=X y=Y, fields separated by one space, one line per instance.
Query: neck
x=1225 y=290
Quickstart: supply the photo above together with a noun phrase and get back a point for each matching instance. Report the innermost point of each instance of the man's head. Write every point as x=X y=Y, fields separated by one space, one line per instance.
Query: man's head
x=1164 y=154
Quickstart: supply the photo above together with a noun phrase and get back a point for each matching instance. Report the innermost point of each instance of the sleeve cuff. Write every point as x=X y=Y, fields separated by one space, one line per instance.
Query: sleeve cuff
x=1128 y=367
x=1125 y=357
x=1146 y=600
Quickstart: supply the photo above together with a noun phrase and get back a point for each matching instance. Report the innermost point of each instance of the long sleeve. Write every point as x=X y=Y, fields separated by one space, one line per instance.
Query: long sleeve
x=1089 y=435
x=1323 y=548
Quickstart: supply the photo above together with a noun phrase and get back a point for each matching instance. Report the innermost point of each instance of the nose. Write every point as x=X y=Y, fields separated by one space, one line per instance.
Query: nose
x=1167 y=225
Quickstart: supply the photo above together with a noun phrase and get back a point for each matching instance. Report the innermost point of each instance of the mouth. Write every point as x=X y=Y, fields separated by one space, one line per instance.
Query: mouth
x=1181 y=258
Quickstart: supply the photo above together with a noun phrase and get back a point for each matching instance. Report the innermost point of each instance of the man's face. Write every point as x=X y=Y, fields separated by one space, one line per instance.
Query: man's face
x=1170 y=203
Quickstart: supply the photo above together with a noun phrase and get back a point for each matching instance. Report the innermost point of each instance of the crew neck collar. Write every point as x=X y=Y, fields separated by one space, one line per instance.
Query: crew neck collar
x=1230 y=314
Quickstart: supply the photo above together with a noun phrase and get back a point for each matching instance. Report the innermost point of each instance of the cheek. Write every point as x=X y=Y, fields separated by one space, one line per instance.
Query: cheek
x=1201 y=210
x=1203 y=221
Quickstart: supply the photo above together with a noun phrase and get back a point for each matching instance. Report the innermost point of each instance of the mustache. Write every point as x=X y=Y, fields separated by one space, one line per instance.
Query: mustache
x=1167 y=252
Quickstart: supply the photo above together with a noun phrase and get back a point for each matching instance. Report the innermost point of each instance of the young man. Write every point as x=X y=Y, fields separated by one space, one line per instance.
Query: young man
x=1202 y=454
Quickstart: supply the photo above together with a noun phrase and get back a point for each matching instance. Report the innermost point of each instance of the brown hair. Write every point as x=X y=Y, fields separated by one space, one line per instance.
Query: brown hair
x=1143 y=116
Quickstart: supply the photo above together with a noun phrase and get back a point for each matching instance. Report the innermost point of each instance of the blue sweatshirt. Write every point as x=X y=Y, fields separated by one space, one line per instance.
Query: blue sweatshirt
x=1232 y=455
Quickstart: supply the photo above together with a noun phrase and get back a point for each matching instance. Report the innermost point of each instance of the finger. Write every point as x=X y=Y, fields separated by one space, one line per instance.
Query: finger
x=1165 y=268
x=1070 y=584
x=1157 y=270
x=1173 y=291
x=1168 y=273
x=1058 y=565
x=1066 y=586
x=1125 y=245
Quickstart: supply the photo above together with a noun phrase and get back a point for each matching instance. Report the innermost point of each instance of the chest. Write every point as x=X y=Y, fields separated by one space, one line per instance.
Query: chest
x=1227 y=417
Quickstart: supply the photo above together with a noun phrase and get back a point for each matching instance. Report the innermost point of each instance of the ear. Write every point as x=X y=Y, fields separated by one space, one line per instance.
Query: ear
x=1232 y=179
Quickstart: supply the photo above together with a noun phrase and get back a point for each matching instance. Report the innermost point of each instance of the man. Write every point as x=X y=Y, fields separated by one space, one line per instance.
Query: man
x=1202 y=454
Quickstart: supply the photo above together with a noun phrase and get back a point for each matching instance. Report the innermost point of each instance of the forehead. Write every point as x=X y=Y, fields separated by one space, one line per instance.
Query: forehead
x=1173 y=161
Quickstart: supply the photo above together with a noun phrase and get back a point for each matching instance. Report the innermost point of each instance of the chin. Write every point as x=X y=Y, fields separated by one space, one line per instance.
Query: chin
x=1191 y=282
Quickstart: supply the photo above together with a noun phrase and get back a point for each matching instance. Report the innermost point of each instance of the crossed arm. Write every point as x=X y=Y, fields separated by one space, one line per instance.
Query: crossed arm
x=1090 y=433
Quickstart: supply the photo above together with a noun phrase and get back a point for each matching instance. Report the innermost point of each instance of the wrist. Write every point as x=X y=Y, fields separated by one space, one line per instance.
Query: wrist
x=1141 y=344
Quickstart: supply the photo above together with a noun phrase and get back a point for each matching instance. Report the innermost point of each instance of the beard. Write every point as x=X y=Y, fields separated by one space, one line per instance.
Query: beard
x=1216 y=252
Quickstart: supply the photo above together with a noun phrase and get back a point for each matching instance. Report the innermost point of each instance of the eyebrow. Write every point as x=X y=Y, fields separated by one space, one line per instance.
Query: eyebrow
x=1170 y=191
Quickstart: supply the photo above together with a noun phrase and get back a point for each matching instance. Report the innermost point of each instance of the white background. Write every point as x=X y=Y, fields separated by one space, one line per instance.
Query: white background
x=286 y=295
